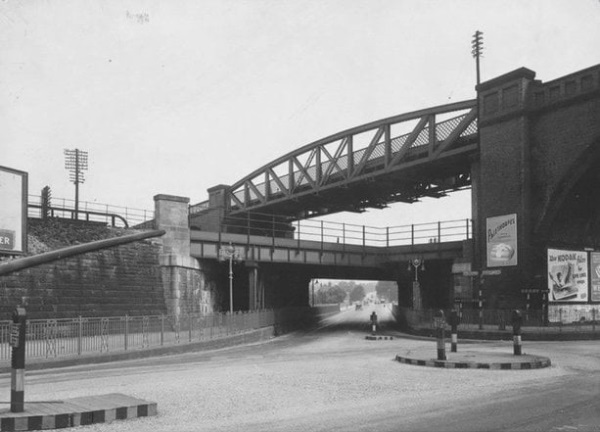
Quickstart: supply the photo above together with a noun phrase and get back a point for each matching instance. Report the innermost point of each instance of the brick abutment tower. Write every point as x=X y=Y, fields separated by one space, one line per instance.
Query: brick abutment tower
x=533 y=181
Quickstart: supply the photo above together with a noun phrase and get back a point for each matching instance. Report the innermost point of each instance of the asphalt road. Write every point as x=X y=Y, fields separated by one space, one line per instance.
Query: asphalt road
x=334 y=379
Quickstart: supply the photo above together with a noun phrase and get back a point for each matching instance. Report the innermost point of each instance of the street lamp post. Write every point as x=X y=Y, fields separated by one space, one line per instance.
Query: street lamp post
x=229 y=253
x=418 y=264
x=313 y=282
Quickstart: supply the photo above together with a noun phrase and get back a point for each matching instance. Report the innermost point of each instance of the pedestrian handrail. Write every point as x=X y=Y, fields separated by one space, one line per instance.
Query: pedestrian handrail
x=67 y=337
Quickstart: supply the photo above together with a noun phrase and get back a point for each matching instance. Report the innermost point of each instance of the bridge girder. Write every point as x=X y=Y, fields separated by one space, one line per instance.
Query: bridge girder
x=368 y=166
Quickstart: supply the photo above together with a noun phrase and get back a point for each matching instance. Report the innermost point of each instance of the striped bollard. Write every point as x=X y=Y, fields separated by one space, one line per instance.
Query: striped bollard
x=454 y=330
x=517 y=320
x=374 y=323
x=440 y=323
x=17 y=342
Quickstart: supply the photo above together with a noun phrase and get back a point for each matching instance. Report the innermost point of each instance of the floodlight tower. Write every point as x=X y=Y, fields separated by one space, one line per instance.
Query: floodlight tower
x=76 y=161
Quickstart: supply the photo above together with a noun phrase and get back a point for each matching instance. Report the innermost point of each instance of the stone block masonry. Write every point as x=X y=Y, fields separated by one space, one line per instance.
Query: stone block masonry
x=117 y=281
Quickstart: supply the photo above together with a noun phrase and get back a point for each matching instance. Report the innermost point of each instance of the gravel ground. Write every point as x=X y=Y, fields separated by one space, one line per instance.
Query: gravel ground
x=317 y=381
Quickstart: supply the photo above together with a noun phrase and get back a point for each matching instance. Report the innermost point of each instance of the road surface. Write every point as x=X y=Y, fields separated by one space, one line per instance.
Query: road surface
x=334 y=379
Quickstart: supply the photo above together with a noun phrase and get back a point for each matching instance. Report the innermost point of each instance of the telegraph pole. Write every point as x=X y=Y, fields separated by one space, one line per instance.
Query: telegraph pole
x=477 y=48
x=477 y=45
x=76 y=161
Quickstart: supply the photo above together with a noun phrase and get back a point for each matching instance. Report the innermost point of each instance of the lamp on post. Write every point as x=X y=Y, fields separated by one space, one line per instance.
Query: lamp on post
x=419 y=265
x=229 y=253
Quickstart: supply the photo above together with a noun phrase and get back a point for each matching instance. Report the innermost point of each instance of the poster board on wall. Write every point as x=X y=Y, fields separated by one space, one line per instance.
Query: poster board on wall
x=501 y=240
x=568 y=279
x=595 y=276
x=13 y=211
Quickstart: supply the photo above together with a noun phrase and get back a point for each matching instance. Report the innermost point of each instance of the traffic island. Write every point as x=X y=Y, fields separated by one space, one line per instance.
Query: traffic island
x=475 y=359
x=378 y=337
x=79 y=411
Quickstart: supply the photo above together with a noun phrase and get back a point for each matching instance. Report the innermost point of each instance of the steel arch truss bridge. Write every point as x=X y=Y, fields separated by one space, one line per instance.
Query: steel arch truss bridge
x=425 y=153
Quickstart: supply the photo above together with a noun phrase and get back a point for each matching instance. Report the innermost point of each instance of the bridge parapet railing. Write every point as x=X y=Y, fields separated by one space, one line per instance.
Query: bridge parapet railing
x=323 y=231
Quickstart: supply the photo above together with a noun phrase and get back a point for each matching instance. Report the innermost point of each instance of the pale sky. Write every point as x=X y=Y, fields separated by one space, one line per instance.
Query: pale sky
x=174 y=97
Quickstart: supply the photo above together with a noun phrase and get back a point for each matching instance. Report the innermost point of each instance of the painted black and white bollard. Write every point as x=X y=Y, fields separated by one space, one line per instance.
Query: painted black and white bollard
x=517 y=321
x=17 y=342
x=373 y=323
x=440 y=324
x=454 y=331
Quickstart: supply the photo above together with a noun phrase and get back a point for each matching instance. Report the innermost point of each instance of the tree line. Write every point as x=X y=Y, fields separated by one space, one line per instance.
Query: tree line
x=351 y=291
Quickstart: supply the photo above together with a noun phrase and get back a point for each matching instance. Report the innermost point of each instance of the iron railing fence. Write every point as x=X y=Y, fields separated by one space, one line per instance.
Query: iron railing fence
x=558 y=320
x=88 y=211
x=346 y=233
x=67 y=337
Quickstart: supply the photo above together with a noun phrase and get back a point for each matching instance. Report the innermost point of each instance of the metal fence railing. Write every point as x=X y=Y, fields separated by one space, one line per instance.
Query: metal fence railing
x=346 y=233
x=88 y=211
x=558 y=320
x=67 y=337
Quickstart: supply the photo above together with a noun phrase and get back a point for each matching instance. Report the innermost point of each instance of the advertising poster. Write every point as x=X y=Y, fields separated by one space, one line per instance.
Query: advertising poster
x=13 y=211
x=501 y=238
x=567 y=275
x=595 y=268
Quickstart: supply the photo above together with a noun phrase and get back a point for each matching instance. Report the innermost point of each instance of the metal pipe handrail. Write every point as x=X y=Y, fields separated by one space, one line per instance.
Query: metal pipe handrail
x=74 y=214
x=46 y=257
x=132 y=215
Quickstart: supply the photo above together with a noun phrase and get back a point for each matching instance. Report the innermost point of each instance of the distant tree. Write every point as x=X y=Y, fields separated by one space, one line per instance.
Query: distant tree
x=357 y=293
x=387 y=290
x=330 y=295
x=336 y=295
x=347 y=286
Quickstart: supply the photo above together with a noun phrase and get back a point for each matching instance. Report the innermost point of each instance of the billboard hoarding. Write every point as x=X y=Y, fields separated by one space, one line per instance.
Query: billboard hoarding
x=595 y=276
x=567 y=275
x=13 y=211
x=501 y=240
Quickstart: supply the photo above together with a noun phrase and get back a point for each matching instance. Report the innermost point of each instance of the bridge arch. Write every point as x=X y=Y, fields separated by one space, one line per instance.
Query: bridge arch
x=396 y=159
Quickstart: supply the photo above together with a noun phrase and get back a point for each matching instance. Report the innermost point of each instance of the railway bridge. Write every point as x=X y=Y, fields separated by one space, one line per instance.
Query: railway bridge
x=528 y=150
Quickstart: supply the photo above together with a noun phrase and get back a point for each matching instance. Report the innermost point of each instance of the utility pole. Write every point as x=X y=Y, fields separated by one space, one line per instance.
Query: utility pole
x=477 y=48
x=477 y=45
x=76 y=161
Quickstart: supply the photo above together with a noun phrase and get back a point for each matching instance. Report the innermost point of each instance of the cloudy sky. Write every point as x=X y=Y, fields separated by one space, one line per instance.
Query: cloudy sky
x=178 y=96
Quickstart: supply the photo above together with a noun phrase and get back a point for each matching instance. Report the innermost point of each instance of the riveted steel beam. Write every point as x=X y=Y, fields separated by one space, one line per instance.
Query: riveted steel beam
x=384 y=156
